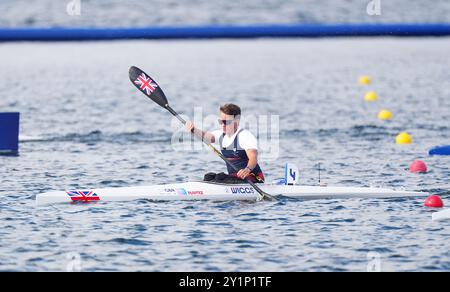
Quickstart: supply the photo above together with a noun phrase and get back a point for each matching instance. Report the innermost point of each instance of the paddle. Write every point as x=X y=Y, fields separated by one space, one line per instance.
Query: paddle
x=151 y=89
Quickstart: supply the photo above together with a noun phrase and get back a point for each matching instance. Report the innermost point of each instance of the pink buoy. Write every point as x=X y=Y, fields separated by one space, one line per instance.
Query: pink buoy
x=418 y=166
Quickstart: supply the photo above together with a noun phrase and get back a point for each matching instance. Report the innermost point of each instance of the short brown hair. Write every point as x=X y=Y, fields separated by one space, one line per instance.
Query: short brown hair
x=230 y=109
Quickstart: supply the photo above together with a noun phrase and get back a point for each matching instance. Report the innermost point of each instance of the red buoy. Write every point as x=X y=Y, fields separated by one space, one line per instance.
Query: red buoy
x=418 y=166
x=434 y=202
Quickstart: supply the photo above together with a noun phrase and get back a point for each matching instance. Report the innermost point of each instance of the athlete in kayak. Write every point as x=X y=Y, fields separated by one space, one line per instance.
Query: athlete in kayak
x=239 y=147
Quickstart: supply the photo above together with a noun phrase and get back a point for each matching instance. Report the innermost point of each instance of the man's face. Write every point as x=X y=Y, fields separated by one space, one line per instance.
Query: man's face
x=228 y=123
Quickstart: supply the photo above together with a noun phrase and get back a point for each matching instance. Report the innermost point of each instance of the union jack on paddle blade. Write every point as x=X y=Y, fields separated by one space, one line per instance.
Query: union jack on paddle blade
x=146 y=84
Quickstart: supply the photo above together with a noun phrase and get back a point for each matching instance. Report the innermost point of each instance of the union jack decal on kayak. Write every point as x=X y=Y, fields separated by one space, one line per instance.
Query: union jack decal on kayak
x=146 y=84
x=83 y=196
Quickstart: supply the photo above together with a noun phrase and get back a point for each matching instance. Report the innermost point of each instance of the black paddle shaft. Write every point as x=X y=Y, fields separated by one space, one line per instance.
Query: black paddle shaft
x=151 y=89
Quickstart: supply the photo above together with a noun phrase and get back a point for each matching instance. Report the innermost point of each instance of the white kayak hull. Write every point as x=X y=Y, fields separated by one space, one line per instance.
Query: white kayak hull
x=441 y=215
x=215 y=192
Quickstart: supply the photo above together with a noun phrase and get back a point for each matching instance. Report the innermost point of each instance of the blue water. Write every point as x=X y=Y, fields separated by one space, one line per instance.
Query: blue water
x=84 y=126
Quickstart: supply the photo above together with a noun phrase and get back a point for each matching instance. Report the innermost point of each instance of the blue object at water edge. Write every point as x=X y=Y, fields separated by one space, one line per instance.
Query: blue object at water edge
x=9 y=133
x=226 y=31
x=441 y=150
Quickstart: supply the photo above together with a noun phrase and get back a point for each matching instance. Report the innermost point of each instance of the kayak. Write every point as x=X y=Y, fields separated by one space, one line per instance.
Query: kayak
x=216 y=192
x=441 y=216
x=440 y=150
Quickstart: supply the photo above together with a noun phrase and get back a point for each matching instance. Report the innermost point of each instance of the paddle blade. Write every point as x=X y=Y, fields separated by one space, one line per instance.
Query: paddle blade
x=147 y=86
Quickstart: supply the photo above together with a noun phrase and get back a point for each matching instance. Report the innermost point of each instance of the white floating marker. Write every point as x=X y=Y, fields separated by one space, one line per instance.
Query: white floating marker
x=291 y=174
x=442 y=215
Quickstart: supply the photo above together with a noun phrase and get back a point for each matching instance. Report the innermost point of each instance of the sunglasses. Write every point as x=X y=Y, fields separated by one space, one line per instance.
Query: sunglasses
x=225 y=122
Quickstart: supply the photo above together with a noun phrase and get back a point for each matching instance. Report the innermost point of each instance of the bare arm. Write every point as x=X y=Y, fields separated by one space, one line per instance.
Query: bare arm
x=252 y=162
x=252 y=158
x=207 y=136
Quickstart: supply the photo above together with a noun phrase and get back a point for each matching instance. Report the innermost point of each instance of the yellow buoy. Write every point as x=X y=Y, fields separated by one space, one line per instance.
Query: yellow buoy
x=385 y=115
x=371 y=96
x=403 y=138
x=364 y=80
